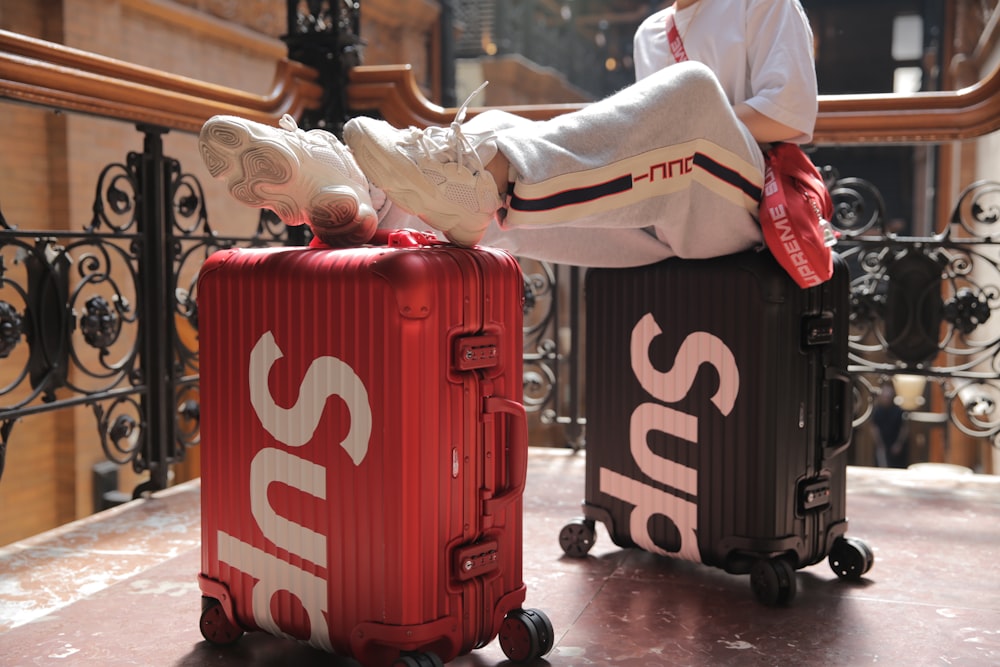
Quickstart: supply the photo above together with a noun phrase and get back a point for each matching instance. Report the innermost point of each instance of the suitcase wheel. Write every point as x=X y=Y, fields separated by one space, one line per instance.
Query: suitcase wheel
x=526 y=634
x=418 y=660
x=577 y=537
x=850 y=558
x=215 y=625
x=773 y=581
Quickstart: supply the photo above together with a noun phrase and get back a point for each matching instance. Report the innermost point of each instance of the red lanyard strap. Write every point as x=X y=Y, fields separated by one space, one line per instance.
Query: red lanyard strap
x=675 y=41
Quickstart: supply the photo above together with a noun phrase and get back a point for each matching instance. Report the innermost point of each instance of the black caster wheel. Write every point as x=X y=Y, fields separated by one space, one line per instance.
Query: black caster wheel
x=215 y=625
x=418 y=660
x=773 y=582
x=526 y=634
x=577 y=537
x=850 y=558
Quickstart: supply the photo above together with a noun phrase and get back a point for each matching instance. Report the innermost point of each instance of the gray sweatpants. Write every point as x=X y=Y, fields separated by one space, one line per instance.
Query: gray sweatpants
x=662 y=168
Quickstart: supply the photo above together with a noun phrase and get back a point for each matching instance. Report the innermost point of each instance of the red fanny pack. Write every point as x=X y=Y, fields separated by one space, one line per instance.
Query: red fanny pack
x=794 y=211
x=795 y=207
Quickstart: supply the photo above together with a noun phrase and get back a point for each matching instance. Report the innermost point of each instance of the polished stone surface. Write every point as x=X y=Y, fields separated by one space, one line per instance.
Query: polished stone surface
x=120 y=588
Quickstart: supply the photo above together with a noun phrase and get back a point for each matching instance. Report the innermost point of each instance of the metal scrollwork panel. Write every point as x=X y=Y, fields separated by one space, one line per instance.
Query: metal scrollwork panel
x=925 y=307
x=552 y=363
x=541 y=353
x=33 y=275
x=120 y=425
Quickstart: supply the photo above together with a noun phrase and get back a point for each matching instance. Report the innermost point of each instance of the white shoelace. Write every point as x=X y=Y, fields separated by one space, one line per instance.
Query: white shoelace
x=288 y=123
x=315 y=137
x=451 y=144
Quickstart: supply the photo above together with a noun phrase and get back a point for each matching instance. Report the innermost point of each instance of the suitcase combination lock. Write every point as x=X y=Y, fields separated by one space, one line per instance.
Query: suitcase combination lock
x=475 y=352
x=476 y=560
x=814 y=494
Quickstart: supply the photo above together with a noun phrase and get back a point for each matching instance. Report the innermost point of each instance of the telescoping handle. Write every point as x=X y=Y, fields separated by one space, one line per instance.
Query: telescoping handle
x=840 y=411
x=517 y=453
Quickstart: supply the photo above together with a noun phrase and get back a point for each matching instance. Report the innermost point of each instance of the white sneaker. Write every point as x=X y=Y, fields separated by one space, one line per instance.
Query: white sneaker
x=304 y=177
x=437 y=173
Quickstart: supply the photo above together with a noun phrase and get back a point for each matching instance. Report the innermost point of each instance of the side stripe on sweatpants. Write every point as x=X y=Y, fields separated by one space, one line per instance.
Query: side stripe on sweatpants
x=652 y=174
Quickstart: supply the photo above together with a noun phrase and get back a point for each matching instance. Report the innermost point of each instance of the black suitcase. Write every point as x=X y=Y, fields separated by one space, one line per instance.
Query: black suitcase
x=719 y=409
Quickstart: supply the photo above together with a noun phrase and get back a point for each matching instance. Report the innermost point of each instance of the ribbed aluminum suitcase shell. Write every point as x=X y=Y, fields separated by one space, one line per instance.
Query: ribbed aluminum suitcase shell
x=363 y=445
x=718 y=410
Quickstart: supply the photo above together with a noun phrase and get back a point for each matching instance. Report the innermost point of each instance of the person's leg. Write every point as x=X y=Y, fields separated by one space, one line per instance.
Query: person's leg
x=582 y=247
x=644 y=158
x=666 y=154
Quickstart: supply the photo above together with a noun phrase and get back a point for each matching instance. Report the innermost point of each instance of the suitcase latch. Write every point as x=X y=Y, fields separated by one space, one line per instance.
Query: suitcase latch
x=818 y=330
x=474 y=352
x=476 y=560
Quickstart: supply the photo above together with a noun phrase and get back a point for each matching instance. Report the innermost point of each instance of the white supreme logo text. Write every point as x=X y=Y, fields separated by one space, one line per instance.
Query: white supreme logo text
x=669 y=387
x=293 y=427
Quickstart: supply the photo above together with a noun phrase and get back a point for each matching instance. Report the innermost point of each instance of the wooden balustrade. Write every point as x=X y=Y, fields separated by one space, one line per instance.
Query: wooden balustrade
x=48 y=74
x=843 y=119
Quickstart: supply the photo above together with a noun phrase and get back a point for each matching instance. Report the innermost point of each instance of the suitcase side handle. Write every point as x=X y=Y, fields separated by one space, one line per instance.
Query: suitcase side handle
x=405 y=238
x=517 y=452
x=840 y=411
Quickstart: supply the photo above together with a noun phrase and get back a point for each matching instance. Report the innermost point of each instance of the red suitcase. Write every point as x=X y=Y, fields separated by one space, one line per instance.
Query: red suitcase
x=719 y=430
x=364 y=450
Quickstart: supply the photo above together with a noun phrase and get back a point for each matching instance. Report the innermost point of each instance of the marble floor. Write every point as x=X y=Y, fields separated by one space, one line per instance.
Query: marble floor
x=120 y=588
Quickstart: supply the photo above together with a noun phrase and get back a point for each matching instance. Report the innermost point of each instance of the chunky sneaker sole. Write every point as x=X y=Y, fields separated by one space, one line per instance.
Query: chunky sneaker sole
x=448 y=196
x=304 y=177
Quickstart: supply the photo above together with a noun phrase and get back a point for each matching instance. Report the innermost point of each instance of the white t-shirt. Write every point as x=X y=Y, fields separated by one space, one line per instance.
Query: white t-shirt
x=761 y=51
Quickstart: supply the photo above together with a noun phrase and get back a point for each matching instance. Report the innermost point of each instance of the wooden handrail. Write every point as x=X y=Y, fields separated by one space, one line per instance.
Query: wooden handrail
x=392 y=91
x=937 y=117
x=48 y=74
x=843 y=119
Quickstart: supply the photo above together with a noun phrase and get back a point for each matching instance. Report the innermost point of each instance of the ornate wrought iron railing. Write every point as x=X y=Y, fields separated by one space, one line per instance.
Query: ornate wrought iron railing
x=105 y=317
